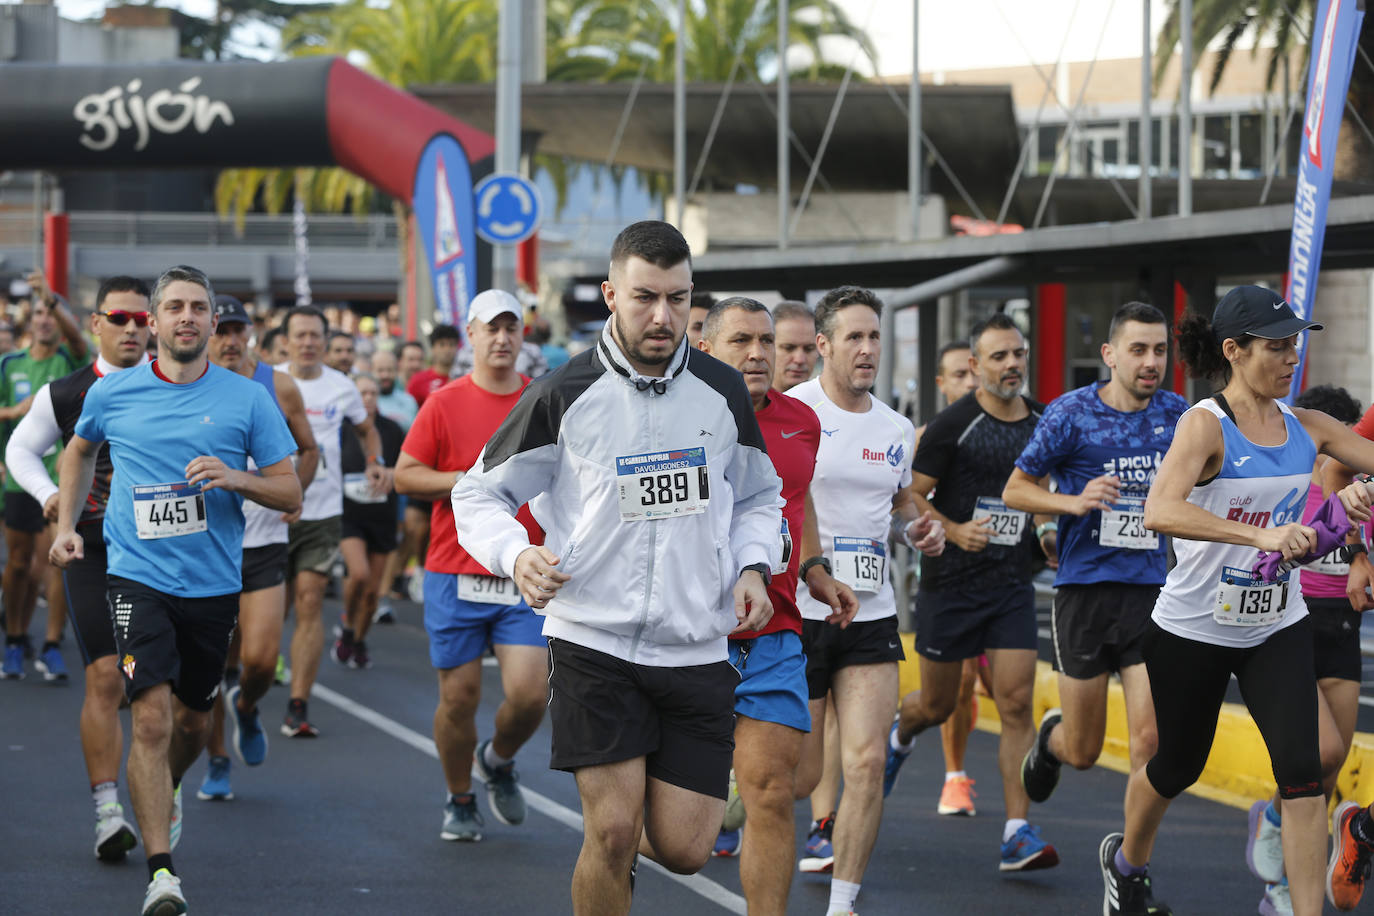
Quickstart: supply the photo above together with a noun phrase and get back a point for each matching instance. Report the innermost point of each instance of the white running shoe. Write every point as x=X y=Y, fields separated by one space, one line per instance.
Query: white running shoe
x=164 y=895
x=114 y=837
x=174 y=828
x=1264 y=848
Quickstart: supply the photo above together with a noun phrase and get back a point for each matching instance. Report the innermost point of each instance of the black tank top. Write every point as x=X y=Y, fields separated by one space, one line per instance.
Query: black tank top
x=68 y=394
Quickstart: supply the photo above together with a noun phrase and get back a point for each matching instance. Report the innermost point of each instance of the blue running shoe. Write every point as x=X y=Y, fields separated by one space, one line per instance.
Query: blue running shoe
x=503 y=793
x=819 y=853
x=1025 y=851
x=51 y=665
x=14 y=663
x=250 y=740
x=215 y=786
x=462 y=822
x=728 y=843
x=895 y=759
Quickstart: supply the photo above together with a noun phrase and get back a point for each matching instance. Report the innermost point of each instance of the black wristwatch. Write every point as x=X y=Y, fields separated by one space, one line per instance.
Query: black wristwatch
x=1352 y=550
x=820 y=561
x=762 y=569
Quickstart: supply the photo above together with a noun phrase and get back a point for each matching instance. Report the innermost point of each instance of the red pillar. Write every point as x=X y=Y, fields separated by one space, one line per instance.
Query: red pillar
x=1049 y=348
x=55 y=238
x=527 y=263
x=1180 y=306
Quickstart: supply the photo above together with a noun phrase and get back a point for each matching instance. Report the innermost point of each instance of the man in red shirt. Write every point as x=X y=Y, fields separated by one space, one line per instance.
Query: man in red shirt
x=468 y=609
x=443 y=349
x=771 y=702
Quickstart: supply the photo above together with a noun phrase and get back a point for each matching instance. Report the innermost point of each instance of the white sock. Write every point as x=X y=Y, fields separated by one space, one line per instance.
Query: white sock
x=955 y=774
x=104 y=793
x=1013 y=824
x=492 y=759
x=898 y=744
x=842 y=896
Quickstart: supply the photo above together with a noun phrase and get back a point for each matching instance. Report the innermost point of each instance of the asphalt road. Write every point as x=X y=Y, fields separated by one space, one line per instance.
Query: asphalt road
x=349 y=822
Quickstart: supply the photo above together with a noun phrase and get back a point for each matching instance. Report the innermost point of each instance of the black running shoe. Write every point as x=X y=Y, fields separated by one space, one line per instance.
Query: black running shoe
x=1125 y=895
x=1040 y=769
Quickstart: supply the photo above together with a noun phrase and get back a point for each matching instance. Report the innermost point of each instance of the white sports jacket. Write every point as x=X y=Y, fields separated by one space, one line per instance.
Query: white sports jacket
x=584 y=446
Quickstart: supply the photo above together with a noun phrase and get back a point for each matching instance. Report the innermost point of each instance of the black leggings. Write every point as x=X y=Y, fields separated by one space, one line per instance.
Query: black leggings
x=1278 y=682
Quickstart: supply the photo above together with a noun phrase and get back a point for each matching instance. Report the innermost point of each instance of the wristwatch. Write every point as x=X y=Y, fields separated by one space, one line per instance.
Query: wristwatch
x=762 y=569
x=1352 y=550
x=820 y=561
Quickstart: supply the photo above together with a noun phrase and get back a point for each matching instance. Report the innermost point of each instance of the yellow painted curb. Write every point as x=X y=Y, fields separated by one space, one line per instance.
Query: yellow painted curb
x=1238 y=771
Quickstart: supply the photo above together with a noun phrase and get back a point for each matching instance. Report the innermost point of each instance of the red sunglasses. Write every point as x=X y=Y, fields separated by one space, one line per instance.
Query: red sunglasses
x=119 y=318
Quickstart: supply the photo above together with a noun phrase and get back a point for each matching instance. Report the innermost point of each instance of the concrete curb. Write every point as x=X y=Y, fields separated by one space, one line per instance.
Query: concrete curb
x=1238 y=771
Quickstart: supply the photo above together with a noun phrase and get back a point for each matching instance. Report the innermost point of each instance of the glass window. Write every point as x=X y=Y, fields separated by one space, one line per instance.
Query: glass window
x=1251 y=143
x=1216 y=146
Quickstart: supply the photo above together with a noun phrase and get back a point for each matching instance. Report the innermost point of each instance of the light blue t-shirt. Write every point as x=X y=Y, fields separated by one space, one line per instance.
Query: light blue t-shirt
x=1080 y=438
x=155 y=427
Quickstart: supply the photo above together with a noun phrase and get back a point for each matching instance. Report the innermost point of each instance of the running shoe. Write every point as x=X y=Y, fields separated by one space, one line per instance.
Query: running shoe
x=462 y=822
x=174 y=828
x=114 y=836
x=504 y=797
x=415 y=587
x=820 y=854
x=14 y=663
x=1039 y=768
x=957 y=797
x=384 y=613
x=50 y=664
x=215 y=786
x=164 y=896
x=342 y=653
x=279 y=676
x=1276 y=900
x=1126 y=895
x=297 y=724
x=250 y=738
x=1264 y=846
x=1025 y=851
x=360 y=660
x=1348 y=868
x=895 y=759
x=734 y=807
x=728 y=843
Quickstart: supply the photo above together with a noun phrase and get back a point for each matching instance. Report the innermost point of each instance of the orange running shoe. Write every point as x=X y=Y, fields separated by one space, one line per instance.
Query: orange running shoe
x=1348 y=869
x=957 y=797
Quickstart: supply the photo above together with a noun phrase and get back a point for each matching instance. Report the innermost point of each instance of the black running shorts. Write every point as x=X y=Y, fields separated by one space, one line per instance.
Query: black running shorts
x=1098 y=628
x=87 y=605
x=953 y=624
x=1335 y=638
x=605 y=710
x=264 y=567
x=22 y=513
x=829 y=648
x=162 y=638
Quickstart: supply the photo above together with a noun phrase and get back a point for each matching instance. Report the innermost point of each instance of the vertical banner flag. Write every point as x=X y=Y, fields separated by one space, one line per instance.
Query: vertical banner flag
x=1335 y=31
x=445 y=215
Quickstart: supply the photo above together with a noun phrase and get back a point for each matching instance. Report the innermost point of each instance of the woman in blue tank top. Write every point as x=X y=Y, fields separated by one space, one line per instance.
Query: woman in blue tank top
x=1235 y=482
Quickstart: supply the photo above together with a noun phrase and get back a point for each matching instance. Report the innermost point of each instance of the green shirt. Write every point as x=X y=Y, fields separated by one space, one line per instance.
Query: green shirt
x=21 y=376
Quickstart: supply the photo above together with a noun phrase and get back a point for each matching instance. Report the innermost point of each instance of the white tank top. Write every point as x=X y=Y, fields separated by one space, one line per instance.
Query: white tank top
x=1208 y=596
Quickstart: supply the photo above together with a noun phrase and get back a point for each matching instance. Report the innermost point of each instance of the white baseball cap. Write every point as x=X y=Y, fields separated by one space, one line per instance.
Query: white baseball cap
x=489 y=303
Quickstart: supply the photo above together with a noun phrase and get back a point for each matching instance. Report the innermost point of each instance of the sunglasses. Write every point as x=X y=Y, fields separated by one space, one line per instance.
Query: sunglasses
x=119 y=318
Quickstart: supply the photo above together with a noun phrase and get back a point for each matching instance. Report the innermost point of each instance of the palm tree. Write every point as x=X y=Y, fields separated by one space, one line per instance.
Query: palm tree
x=1289 y=24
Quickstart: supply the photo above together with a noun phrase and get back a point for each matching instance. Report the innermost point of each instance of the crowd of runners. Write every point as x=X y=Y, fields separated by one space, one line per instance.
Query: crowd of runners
x=679 y=546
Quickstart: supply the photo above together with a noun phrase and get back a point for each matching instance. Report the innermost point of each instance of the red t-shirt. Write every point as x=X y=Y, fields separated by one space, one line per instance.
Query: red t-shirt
x=1365 y=427
x=448 y=434
x=424 y=383
x=792 y=432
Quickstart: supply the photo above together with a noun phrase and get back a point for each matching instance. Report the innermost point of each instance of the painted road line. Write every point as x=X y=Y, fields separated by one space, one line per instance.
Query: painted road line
x=701 y=886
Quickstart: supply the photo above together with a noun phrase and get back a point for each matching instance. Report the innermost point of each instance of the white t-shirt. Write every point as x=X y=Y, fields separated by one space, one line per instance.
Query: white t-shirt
x=329 y=398
x=864 y=460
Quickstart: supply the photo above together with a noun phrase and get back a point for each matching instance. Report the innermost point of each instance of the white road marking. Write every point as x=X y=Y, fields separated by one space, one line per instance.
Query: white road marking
x=697 y=884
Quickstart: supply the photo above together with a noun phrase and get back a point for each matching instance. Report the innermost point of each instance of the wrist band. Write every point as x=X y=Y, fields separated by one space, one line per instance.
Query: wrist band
x=820 y=561
x=1042 y=530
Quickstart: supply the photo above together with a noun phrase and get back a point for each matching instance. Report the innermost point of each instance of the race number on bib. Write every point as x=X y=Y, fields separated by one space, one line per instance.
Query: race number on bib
x=1245 y=601
x=860 y=563
x=663 y=484
x=1123 y=525
x=487 y=589
x=1008 y=525
x=1335 y=563
x=781 y=568
x=357 y=488
x=168 y=510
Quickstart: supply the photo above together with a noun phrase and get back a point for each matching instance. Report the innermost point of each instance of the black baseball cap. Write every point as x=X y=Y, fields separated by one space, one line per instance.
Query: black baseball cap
x=1258 y=312
x=227 y=308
